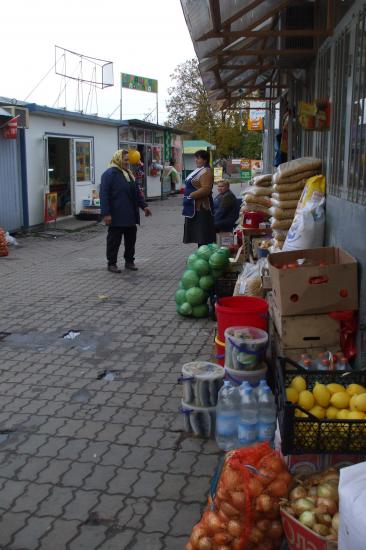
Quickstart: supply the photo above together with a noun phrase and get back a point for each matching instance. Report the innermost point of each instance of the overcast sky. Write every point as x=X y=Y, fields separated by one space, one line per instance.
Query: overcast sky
x=141 y=37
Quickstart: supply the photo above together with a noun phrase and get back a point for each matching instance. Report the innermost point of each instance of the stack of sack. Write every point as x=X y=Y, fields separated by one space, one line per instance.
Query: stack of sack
x=287 y=185
x=257 y=197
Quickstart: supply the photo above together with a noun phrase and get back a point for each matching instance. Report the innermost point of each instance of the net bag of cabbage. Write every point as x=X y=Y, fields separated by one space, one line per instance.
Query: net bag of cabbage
x=243 y=511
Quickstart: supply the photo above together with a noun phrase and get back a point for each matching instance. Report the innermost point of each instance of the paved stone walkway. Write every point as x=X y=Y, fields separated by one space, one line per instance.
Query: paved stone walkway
x=88 y=463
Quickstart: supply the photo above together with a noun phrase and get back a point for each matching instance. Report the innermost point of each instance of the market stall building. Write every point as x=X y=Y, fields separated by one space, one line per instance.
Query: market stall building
x=284 y=53
x=65 y=152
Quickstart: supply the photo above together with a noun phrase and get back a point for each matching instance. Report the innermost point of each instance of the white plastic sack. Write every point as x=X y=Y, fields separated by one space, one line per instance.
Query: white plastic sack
x=352 y=505
x=307 y=229
x=10 y=240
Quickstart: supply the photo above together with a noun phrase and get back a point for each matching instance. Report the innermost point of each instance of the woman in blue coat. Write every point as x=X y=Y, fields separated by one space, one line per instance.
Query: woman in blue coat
x=120 y=200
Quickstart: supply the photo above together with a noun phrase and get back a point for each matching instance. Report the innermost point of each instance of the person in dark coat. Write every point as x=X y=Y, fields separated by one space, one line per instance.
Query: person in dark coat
x=226 y=208
x=120 y=200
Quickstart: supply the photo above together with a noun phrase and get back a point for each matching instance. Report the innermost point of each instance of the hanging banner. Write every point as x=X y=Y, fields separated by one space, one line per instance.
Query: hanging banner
x=256 y=166
x=314 y=115
x=50 y=207
x=245 y=170
x=256 y=116
x=139 y=83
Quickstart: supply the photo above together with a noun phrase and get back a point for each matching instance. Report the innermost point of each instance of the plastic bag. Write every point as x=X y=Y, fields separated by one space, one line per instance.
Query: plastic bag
x=307 y=229
x=352 y=503
x=10 y=240
x=248 y=491
x=249 y=282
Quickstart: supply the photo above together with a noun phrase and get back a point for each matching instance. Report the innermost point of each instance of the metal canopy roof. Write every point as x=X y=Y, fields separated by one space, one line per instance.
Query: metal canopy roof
x=245 y=46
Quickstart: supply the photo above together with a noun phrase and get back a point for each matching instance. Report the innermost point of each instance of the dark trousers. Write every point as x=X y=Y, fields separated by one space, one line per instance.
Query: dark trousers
x=114 y=238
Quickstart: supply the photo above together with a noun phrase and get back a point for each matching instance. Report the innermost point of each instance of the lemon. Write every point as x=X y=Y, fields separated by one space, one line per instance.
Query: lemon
x=360 y=402
x=352 y=403
x=356 y=415
x=298 y=383
x=340 y=400
x=335 y=388
x=292 y=395
x=342 y=414
x=353 y=389
x=322 y=394
x=306 y=400
x=317 y=411
x=300 y=414
x=331 y=413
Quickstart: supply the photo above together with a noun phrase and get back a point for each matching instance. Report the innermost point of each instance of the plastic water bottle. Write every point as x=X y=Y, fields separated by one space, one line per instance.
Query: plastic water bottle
x=227 y=413
x=259 y=389
x=306 y=361
x=248 y=416
x=267 y=414
x=342 y=363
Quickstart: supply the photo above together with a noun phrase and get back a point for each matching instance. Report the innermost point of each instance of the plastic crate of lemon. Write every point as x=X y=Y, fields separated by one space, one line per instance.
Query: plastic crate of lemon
x=321 y=412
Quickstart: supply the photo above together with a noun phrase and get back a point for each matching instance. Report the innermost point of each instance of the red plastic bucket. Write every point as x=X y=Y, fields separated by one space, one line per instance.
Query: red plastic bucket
x=240 y=311
x=220 y=351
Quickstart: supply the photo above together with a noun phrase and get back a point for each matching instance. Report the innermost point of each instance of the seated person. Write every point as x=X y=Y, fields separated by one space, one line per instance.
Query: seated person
x=226 y=208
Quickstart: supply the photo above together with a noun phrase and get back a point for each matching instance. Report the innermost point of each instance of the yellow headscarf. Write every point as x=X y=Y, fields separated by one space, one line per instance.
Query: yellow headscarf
x=116 y=162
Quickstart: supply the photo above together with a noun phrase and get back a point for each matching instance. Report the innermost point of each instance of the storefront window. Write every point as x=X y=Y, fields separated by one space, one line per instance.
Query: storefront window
x=140 y=136
x=83 y=156
x=158 y=137
x=132 y=134
x=123 y=134
x=148 y=136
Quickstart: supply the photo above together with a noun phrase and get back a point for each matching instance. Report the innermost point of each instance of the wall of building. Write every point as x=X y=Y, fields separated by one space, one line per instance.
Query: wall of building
x=11 y=215
x=105 y=144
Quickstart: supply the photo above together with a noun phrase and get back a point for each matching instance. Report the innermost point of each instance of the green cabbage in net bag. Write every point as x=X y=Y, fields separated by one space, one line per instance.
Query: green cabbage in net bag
x=195 y=296
x=190 y=279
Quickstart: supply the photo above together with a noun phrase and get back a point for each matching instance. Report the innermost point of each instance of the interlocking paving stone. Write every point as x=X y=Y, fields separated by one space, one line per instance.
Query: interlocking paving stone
x=119 y=451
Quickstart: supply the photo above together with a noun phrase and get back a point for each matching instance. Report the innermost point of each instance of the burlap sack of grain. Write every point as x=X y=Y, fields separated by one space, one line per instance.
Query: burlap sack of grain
x=298 y=166
x=287 y=196
x=257 y=199
x=285 y=187
x=264 y=180
x=281 y=224
x=284 y=204
x=282 y=213
x=258 y=191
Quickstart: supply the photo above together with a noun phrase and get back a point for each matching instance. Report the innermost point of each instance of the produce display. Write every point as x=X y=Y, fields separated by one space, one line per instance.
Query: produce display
x=314 y=503
x=243 y=512
x=328 y=401
x=321 y=411
x=203 y=267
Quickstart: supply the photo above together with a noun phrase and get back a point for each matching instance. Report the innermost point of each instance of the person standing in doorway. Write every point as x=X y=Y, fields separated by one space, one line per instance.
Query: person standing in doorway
x=120 y=200
x=198 y=204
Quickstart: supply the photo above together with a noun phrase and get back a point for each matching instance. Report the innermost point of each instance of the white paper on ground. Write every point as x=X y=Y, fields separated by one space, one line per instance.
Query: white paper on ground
x=352 y=505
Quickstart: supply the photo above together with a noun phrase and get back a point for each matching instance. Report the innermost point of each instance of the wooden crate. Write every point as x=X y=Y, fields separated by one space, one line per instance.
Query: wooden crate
x=305 y=331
